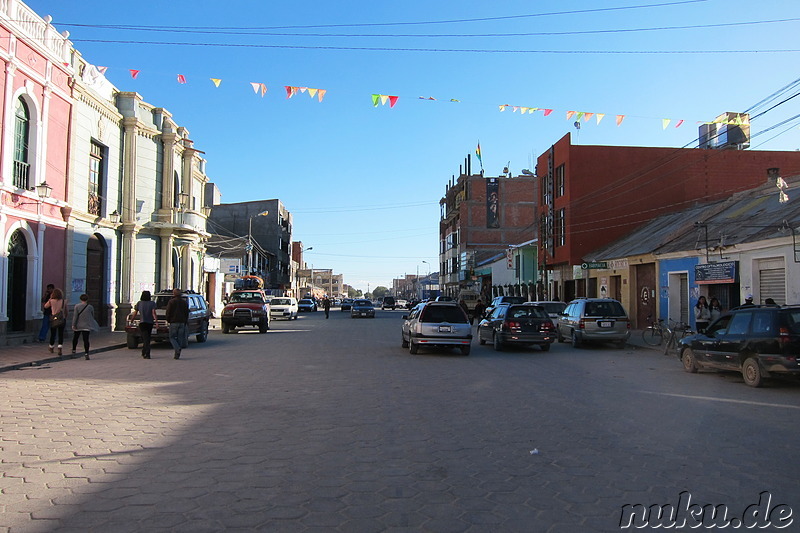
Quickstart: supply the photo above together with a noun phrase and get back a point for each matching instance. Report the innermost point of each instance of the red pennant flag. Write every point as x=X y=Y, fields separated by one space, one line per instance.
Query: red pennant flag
x=547 y=112
x=181 y=78
x=620 y=118
x=134 y=73
x=678 y=125
x=393 y=100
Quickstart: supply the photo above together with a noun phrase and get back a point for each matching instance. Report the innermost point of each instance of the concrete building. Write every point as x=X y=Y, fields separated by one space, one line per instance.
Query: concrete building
x=36 y=107
x=480 y=214
x=267 y=225
x=592 y=195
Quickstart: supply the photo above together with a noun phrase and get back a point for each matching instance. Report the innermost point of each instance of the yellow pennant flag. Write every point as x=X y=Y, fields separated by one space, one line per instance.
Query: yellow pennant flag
x=599 y=117
x=312 y=92
x=664 y=123
x=384 y=97
x=216 y=81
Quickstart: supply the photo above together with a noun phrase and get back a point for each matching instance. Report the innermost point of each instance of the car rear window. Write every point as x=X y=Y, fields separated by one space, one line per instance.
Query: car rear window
x=553 y=307
x=280 y=301
x=443 y=313
x=604 y=309
x=513 y=300
x=527 y=311
x=792 y=319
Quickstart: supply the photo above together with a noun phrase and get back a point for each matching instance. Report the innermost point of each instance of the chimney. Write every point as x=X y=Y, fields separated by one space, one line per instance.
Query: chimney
x=772 y=175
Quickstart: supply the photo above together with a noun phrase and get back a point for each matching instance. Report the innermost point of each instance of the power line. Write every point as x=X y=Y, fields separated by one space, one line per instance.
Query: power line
x=452 y=21
x=251 y=32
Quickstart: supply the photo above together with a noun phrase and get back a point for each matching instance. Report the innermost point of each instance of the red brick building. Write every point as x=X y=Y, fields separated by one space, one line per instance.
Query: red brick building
x=590 y=196
x=480 y=214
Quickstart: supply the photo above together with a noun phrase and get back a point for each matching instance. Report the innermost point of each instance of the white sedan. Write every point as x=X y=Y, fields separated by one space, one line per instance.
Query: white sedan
x=281 y=307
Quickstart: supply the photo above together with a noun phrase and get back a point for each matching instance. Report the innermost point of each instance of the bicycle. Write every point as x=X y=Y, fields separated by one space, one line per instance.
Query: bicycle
x=679 y=328
x=654 y=333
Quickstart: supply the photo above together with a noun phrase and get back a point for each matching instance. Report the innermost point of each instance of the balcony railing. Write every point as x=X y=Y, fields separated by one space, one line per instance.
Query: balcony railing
x=21 y=175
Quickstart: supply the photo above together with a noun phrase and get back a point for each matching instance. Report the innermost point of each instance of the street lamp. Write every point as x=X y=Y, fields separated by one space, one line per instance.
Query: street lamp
x=250 y=239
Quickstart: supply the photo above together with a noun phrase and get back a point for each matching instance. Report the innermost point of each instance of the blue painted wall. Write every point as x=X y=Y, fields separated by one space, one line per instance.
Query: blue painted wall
x=665 y=267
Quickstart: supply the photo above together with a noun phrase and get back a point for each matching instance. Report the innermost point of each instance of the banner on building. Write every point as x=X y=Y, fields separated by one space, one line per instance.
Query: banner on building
x=492 y=203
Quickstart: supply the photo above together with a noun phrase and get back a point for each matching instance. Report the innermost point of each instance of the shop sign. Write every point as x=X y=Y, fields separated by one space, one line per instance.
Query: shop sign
x=711 y=273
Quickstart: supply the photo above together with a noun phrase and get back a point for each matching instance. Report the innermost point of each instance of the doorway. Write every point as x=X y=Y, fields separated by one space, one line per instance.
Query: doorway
x=17 y=286
x=95 y=277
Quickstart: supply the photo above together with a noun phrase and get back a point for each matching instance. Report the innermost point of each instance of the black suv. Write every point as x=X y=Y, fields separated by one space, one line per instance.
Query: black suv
x=759 y=341
x=199 y=317
x=503 y=300
x=388 y=303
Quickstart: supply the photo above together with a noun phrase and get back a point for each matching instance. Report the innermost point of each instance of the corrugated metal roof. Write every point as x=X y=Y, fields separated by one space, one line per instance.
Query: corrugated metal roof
x=748 y=216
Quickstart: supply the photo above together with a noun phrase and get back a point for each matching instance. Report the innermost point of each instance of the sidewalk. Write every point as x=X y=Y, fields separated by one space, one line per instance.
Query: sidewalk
x=36 y=353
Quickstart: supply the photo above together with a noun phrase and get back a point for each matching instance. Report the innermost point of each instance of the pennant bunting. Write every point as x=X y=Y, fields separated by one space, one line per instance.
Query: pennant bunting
x=454 y=100
x=291 y=91
x=587 y=116
x=678 y=125
x=102 y=69
x=503 y=107
x=515 y=108
x=547 y=112
x=375 y=98
x=303 y=89
x=216 y=81
x=580 y=115
x=321 y=94
x=620 y=118
x=664 y=123
x=263 y=88
x=255 y=86
x=570 y=114
x=427 y=98
x=393 y=100
x=181 y=78
x=384 y=97
x=599 y=117
x=312 y=92
x=134 y=73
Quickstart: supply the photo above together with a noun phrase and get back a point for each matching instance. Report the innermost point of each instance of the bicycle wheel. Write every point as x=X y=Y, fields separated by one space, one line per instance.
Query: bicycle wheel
x=652 y=336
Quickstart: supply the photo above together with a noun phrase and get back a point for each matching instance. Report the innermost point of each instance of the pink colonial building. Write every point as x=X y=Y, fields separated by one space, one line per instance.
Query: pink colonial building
x=34 y=160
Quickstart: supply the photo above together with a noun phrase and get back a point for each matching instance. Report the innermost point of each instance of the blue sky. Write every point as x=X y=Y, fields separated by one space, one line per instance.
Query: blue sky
x=364 y=183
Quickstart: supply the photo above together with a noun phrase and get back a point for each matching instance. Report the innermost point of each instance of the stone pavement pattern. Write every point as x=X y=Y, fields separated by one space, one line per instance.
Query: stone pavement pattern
x=330 y=426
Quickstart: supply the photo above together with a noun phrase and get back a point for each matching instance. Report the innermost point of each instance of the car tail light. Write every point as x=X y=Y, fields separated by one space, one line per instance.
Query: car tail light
x=547 y=326
x=582 y=323
x=783 y=336
x=510 y=325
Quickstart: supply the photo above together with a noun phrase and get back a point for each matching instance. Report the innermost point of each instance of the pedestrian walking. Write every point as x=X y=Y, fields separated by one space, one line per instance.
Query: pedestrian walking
x=145 y=310
x=83 y=324
x=178 y=318
x=702 y=314
x=477 y=313
x=45 y=313
x=326 y=305
x=58 y=318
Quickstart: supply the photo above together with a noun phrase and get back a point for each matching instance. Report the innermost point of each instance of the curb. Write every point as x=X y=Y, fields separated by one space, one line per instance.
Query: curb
x=56 y=358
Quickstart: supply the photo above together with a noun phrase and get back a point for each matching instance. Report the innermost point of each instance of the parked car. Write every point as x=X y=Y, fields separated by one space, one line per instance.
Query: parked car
x=442 y=324
x=281 y=307
x=402 y=304
x=347 y=303
x=501 y=300
x=199 y=317
x=759 y=341
x=594 y=320
x=517 y=324
x=388 y=303
x=306 y=305
x=362 y=308
x=554 y=309
x=246 y=308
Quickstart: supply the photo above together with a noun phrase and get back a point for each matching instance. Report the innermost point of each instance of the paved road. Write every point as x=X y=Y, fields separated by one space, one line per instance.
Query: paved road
x=328 y=425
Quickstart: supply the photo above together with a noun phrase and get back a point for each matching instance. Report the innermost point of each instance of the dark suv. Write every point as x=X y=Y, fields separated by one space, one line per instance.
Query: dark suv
x=388 y=303
x=758 y=341
x=503 y=300
x=199 y=317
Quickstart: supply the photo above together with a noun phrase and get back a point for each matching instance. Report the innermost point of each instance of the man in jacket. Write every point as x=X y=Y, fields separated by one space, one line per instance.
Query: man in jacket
x=178 y=318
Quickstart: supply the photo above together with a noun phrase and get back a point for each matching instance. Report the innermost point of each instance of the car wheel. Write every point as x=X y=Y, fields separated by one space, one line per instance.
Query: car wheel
x=498 y=344
x=413 y=348
x=689 y=361
x=576 y=341
x=226 y=328
x=203 y=335
x=559 y=336
x=751 y=372
x=465 y=350
x=403 y=342
x=481 y=340
x=545 y=347
x=132 y=342
x=263 y=327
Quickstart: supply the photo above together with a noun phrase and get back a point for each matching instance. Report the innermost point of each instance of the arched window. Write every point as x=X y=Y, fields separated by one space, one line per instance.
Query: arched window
x=22 y=131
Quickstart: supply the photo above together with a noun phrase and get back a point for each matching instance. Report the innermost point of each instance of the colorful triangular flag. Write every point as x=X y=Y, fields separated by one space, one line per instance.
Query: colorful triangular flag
x=664 y=123
x=620 y=118
x=216 y=81
x=599 y=117
x=375 y=98
x=181 y=78
x=393 y=100
x=134 y=73
x=102 y=69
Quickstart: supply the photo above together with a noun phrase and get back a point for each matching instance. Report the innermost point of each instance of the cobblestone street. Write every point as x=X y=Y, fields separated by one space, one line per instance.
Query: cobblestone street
x=331 y=426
